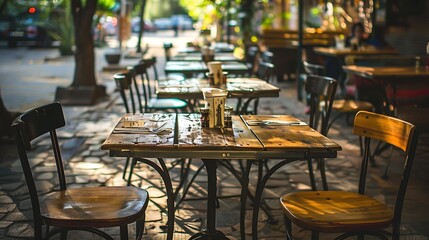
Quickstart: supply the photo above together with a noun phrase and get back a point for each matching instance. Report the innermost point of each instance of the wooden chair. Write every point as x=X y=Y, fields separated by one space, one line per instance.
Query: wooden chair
x=267 y=56
x=343 y=107
x=321 y=91
x=65 y=209
x=350 y=213
x=251 y=58
x=128 y=88
x=150 y=103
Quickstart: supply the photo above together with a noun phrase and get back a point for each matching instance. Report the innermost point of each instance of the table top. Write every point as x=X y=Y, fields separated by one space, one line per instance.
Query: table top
x=196 y=56
x=387 y=72
x=234 y=67
x=252 y=137
x=218 y=47
x=236 y=87
x=335 y=52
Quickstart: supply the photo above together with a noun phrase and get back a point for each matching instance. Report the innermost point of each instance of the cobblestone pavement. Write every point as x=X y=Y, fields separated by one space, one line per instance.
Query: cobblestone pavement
x=87 y=165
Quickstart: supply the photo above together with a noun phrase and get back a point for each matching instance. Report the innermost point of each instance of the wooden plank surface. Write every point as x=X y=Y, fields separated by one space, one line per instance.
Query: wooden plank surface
x=236 y=87
x=333 y=52
x=233 y=67
x=137 y=140
x=293 y=136
x=245 y=137
x=387 y=72
x=223 y=57
x=192 y=136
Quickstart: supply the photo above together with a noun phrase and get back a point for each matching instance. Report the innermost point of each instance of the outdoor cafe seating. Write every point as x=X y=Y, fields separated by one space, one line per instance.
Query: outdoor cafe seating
x=163 y=120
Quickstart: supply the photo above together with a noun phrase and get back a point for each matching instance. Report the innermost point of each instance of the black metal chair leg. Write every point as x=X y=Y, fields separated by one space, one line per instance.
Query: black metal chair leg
x=323 y=174
x=124 y=232
x=63 y=235
x=133 y=164
x=127 y=162
x=311 y=174
x=288 y=227
x=314 y=235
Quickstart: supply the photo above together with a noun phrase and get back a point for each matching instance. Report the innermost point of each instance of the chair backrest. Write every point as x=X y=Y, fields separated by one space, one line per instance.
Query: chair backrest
x=267 y=56
x=123 y=85
x=151 y=74
x=167 y=50
x=398 y=133
x=251 y=57
x=265 y=71
x=321 y=91
x=140 y=75
x=29 y=126
x=314 y=69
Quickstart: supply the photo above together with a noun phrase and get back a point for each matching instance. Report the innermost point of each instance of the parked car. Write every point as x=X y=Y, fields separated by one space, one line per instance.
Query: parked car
x=163 y=23
x=148 y=25
x=184 y=22
x=23 y=28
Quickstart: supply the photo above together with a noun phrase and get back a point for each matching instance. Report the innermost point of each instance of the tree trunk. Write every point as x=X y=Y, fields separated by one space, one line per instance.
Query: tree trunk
x=84 y=89
x=141 y=31
x=84 y=73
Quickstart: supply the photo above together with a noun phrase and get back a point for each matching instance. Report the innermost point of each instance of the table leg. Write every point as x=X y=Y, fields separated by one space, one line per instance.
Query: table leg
x=258 y=195
x=165 y=175
x=211 y=232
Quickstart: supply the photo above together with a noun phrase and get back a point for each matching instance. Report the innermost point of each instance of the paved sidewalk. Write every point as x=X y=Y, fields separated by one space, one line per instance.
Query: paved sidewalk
x=87 y=165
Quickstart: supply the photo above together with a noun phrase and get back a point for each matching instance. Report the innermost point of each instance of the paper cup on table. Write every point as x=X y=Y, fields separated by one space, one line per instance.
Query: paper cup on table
x=216 y=69
x=215 y=101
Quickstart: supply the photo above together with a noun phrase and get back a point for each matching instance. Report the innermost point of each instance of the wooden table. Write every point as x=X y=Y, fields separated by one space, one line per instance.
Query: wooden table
x=252 y=137
x=192 y=68
x=244 y=89
x=338 y=56
x=393 y=76
x=387 y=73
x=222 y=57
x=336 y=52
x=190 y=89
x=218 y=48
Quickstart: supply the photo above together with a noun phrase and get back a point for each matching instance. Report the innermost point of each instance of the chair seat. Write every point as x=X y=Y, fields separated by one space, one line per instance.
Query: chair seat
x=336 y=211
x=166 y=103
x=348 y=105
x=94 y=206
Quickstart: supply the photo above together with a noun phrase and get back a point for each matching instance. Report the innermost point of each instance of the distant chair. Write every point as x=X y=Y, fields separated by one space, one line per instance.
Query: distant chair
x=245 y=106
x=267 y=56
x=251 y=58
x=167 y=50
x=129 y=85
x=355 y=213
x=85 y=209
x=346 y=107
x=321 y=91
x=149 y=103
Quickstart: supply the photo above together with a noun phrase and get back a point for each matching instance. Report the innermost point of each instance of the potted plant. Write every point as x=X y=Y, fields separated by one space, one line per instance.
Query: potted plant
x=60 y=28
